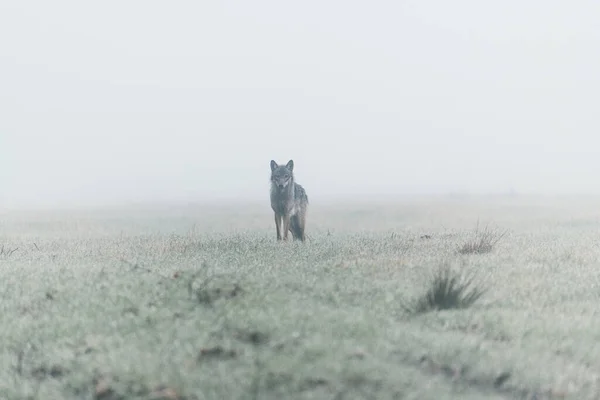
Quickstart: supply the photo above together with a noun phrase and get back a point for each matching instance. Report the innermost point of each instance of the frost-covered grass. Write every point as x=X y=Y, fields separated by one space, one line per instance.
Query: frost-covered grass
x=203 y=303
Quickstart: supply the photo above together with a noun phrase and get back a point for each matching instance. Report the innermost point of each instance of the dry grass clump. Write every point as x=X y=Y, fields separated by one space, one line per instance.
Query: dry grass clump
x=482 y=241
x=448 y=289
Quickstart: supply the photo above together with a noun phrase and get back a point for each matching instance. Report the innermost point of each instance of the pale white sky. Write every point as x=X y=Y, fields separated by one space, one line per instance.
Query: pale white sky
x=146 y=100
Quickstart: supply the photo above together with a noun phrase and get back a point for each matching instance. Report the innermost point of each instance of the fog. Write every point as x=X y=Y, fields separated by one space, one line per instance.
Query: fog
x=111 y=102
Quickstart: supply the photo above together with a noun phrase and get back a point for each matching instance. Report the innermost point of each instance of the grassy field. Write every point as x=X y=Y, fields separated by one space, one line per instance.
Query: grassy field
x=201 y=302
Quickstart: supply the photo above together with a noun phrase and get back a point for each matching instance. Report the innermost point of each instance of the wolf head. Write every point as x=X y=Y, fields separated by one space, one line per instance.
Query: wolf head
x=282 y=175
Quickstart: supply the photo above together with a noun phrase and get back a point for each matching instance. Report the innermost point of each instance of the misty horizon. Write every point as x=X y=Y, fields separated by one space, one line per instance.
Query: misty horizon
x=149 y=102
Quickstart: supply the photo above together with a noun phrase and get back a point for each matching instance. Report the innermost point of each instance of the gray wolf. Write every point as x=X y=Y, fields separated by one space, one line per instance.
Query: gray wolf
x=289 y=202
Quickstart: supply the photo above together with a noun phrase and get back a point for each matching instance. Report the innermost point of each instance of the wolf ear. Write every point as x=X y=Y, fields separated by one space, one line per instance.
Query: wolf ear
x=290 y=165
x=273 y=165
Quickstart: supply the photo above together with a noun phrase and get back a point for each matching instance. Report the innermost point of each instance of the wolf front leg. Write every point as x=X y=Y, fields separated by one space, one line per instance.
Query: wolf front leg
x=302 y=225
x=286 y=226
x=278 y=225
x=294 y=227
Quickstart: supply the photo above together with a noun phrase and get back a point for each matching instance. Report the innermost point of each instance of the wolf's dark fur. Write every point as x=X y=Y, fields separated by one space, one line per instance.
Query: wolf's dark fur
x=288 y=201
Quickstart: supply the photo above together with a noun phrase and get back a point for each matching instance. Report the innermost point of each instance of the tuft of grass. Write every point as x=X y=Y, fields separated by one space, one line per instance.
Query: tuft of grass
x=448 y=289
x=483 y=240
x=213 y=288
x=6 y=251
